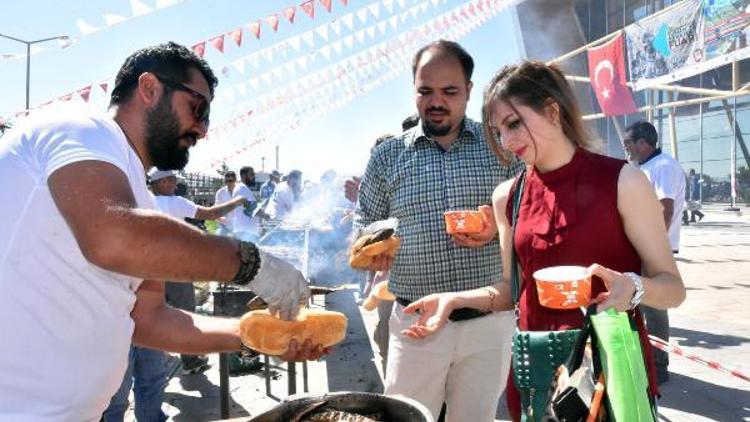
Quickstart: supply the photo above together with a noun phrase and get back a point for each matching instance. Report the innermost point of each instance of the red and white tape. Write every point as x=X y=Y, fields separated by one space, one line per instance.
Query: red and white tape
x=671 y=348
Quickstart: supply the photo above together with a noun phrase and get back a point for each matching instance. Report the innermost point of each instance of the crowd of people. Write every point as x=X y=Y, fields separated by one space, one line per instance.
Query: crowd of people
x=89 y=280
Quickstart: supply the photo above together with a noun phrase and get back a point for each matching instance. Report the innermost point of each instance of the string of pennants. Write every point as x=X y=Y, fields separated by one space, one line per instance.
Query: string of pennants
x=310 y=38
x=137 y=7
x=300 y=102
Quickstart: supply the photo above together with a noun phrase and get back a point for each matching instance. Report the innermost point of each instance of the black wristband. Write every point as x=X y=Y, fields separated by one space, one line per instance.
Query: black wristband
x=249 y=263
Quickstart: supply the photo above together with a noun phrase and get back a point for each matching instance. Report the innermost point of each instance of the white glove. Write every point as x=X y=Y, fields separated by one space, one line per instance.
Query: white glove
x=281 y=286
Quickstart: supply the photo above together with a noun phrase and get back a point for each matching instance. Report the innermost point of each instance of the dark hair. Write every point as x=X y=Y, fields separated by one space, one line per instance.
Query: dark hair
x=294 y=174
x=230 y=173
x=245 y=170
x=645 y=130
x=410 y=122
x=170 y=60
x=536 y=85
x=445 y=47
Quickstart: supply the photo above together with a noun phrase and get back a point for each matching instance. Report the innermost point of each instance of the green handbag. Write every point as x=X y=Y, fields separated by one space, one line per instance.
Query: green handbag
x=536 y=354
x=625 y=376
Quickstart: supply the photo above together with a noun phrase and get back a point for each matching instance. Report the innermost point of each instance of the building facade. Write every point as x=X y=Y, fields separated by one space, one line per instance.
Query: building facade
x=708 y=136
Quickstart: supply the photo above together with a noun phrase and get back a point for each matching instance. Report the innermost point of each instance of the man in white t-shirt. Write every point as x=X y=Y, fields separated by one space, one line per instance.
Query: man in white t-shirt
x=81 y=244
x=246 y=220
x=224 y=194
x=287 y=194
x=668 y=179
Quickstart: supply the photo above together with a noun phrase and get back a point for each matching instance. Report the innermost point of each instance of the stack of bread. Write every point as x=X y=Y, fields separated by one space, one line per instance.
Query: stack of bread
x=265 y=333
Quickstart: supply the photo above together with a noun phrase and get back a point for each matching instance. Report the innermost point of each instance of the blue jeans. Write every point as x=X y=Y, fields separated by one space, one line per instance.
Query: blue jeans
x=147 y=373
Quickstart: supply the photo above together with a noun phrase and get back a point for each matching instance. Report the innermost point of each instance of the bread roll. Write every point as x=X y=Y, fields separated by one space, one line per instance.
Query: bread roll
x=261 y=331
x=362 y=253
x=379 y=292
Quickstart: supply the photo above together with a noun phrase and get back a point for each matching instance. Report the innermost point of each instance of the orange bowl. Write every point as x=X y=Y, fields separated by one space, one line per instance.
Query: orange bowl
x=564 y=287
x=467 y=222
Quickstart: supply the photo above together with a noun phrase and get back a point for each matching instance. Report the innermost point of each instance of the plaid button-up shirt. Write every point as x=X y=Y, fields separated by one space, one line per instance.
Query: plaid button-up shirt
x=412 y=178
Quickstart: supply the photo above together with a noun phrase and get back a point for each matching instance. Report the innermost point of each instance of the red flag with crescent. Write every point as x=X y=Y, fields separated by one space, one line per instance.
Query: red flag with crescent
x=607 y=74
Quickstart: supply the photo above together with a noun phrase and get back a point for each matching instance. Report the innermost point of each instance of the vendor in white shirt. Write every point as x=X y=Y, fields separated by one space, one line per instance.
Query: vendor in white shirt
x=163 y=185
x=246 y=220
x=287 y=194
x=224 y=194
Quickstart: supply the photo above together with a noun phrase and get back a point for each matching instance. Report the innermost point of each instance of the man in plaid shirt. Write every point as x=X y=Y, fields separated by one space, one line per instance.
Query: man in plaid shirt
x=443 y=164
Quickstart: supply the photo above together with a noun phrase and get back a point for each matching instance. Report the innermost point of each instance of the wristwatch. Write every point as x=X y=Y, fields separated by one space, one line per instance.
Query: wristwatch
x=638 y=294
x=249 y=263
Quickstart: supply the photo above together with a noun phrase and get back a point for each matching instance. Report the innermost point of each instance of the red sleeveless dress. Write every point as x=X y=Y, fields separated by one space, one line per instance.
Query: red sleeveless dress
x=569 y=216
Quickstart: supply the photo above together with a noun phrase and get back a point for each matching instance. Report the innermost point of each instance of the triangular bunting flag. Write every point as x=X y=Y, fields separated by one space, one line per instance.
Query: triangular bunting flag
x=326 y=52
x=139 y=8
x=236 y=35
x=336 y=26
x=349 y=41
x=434 y=3
x=85 y=28
x=326 y=4
x=66 y=97
x=200 y=49
x=217 y=42
x=348 y=20
x=104 y=86
x=273 y=21
x=309 y=8
x=344 y=2
x=239 y=65
x=278 y=73
x=337 y=47
x=388 y=4
x=360 y=35
x=381 y=27
x=268 y=52
x=371 y=32
x=402 y=3
x=289 y=12
x=294 y=43
x=362 y=15
x=375 y=9
x=160 y=4
x=84 y=93
x=307 y=37
x=255 y=83
x=255 y=28
x=290 y=68
x=302 y=62
x=242 y=88
x=322 y=31
x=255 y=61
x=111 y=19
x=393 y=21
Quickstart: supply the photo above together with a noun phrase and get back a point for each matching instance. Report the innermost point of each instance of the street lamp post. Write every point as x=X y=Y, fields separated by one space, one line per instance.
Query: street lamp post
x=28 y=56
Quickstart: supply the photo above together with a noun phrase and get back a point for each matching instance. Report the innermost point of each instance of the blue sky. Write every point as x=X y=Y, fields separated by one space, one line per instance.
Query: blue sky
x=339 y=139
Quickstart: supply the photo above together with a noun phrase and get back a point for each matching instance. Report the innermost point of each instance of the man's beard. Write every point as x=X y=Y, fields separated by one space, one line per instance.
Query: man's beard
x=436 y=130
x=163 y=137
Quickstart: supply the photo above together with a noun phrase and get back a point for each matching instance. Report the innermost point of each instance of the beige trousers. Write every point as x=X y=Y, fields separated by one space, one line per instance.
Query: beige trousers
x=465 y=365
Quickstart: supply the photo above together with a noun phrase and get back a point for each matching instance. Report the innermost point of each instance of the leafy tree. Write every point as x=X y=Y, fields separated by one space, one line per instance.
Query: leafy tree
x=223 y=169
x=4 y=125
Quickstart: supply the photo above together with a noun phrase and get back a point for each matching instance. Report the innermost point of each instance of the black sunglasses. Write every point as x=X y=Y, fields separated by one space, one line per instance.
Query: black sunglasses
x=202 y=109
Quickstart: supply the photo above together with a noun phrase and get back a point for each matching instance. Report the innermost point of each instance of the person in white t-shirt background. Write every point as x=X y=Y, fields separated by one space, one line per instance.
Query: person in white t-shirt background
x=246 y=220
x=224 y=194
x=668 y=178
x=287 y=194
x=81 y=261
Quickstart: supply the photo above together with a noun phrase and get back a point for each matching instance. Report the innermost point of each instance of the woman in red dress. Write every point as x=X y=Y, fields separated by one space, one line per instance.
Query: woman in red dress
x=578 y=208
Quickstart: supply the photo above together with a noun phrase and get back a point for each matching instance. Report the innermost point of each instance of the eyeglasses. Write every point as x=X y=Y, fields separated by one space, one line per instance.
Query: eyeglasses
x=202 y=108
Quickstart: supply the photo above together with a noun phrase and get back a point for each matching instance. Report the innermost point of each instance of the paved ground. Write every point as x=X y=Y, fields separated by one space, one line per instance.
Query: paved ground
x=714 y=322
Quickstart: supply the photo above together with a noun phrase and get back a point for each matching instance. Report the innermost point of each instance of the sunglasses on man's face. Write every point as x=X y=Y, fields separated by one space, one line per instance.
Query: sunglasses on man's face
x=201 y=109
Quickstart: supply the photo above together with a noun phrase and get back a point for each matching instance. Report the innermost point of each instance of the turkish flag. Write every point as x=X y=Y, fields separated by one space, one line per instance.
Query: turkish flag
x=607 y=74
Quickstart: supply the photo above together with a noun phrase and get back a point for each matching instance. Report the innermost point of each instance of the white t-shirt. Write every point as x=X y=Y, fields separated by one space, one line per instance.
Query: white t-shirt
x=65 y=324
x=282 y=202
x=241 y=222
x=176 y=206
x=668 y=179
x=223 y=196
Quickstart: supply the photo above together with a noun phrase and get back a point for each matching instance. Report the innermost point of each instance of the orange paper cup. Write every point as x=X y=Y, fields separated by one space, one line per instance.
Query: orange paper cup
x=564 y=287
x=467 y=222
